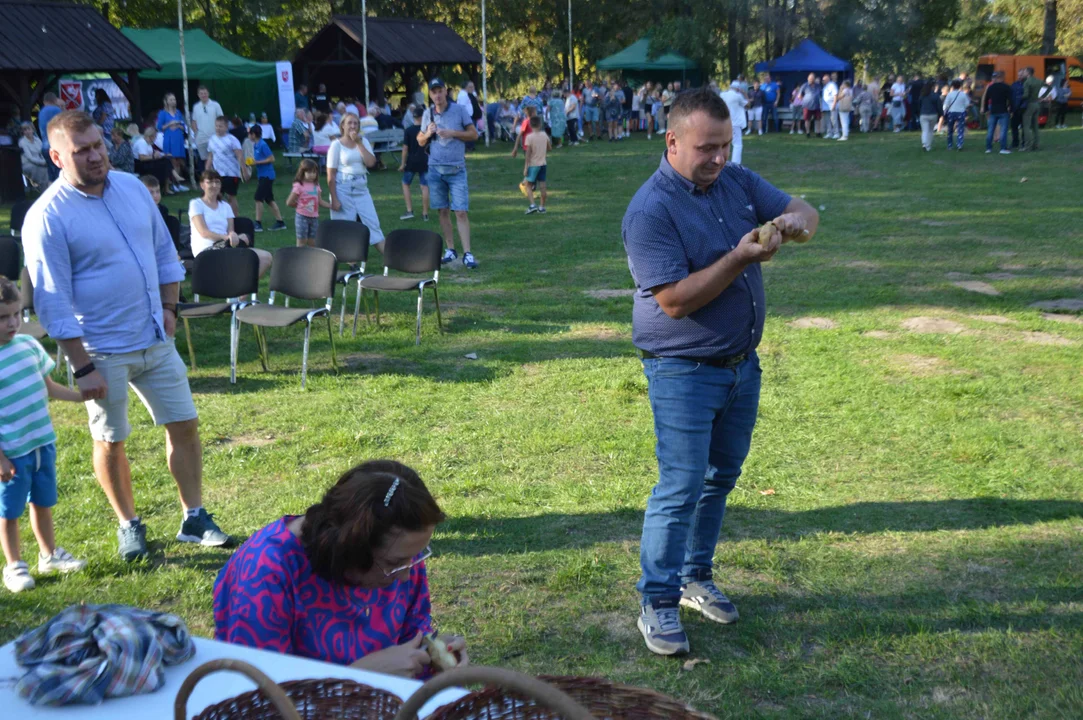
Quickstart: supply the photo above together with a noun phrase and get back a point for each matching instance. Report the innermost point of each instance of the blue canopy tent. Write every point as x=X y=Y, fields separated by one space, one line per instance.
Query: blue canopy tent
x=792 y=69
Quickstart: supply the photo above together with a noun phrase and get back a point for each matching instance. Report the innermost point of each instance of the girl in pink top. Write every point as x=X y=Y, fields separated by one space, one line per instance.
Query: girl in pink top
x=307 y=197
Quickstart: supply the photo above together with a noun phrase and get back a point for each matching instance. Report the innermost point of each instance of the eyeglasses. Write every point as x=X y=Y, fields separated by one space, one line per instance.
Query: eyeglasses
x=418 y=559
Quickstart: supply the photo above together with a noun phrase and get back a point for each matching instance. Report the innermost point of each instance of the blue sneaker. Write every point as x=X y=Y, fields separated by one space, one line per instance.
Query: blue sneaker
x=202 y=529
x=661 y=627
x=705 y=597
x=449 y=256
x=469 y=261
x=132 y=541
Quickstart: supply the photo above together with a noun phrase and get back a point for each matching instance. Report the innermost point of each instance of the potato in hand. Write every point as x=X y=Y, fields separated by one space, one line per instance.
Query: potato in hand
x=442 y=658
x=766 y=232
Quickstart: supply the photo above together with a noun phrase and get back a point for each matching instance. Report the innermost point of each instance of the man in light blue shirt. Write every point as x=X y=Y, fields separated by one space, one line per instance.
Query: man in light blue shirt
x=446 y=128
x=106 y=280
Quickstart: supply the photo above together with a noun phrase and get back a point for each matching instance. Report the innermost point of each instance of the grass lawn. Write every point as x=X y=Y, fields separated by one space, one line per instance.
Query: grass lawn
x=906 y=539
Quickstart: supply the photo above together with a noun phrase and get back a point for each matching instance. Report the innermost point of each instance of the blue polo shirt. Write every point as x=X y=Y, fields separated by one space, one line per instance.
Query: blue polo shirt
x=671 y=230
x=262 y=151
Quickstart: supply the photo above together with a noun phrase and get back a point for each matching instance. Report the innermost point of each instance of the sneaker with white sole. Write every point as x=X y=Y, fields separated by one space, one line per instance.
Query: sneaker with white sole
x=279 y=225
x=661 y=627
x=17 y=577
x=1005 y=152
x=406 y=216
x=469 y=261
x=449 y=256
x=61 y=561
x=705 y=597
x=532 y=209
x=132 y=540
x=202 y=529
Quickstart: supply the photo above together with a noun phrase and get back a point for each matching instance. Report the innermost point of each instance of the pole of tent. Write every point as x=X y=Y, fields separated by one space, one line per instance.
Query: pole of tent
x=184 y=81
x=484 y=80
x=571 y=52
x=365 y=48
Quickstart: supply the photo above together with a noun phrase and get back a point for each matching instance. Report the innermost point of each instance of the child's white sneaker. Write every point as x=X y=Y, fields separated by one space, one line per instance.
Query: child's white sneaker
x=60 y=561
x=17 y=577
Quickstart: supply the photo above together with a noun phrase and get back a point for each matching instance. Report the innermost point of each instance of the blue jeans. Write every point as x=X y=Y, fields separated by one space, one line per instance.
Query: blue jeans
x=703 y=420
x=956 y=127
x=994 y=120
x=770 y=112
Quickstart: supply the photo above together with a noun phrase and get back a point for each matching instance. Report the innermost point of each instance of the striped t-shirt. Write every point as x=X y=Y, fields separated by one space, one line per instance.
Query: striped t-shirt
x=24 y=400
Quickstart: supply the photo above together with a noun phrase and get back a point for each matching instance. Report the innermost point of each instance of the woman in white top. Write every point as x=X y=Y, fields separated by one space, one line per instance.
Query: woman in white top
x=149 y=160
x=323 y=132
x=348 y=161
x=955 y=105
x=898 y=104
x=212 y=222
x=267 y=128
x=32 y=160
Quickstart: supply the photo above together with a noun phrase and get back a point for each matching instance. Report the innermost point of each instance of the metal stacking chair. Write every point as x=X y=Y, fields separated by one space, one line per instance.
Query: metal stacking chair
x=306 y=273
x=409 y=251
x=349 y=241
x=231 y=273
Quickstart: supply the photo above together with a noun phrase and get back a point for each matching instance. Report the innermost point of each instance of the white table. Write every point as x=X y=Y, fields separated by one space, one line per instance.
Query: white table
x=211 y=689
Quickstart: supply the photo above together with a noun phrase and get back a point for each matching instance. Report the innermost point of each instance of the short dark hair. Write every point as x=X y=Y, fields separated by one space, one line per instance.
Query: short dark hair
x=9 y=291
x=150 y=181
x=535 y=122
x=209 y=174
x=352 y=520
x=221 y=118
x=956 y=84
x=701 y=99
x=68 y=122
x=255 y=131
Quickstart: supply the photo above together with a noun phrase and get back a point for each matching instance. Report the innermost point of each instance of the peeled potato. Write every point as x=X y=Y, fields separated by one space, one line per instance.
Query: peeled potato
x=766 y=232
x=442 y=658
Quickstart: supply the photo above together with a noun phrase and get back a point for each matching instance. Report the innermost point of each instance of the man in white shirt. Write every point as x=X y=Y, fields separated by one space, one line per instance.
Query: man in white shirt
x=463 y=99
x=831 y=112
x=204 y=113
x=898 y=104
x=736 y=101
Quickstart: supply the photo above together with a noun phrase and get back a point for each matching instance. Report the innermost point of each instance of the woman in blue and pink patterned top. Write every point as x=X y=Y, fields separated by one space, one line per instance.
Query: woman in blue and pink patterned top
x=345 y=582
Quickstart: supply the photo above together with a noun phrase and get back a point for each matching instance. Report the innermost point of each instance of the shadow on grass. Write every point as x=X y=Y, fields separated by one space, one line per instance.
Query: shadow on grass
x=470 y=535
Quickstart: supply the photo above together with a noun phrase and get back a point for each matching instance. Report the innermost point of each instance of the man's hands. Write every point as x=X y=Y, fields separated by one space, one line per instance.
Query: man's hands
x=792 y=226
x=750 y=251
x=7 y=469
x=406 y=660
x=93 y=386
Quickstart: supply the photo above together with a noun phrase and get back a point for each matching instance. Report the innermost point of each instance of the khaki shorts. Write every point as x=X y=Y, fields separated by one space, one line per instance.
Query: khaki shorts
x=160 y=379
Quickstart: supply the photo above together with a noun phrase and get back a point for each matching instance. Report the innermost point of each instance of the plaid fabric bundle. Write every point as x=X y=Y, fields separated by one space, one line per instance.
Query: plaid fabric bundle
x=91 y=652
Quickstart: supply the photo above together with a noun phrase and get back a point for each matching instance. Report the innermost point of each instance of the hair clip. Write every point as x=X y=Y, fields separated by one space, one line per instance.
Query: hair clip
x=394 y=487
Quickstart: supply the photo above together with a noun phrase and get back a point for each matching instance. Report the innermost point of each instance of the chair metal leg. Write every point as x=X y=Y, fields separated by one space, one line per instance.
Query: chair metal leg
x=376 y=297
x=420 y=296
x=261 y=342
x=331 y=337
x=71 y=377
x=191 y=347
x=342 y=311
x=357 y=307
x=436 y=299
x=304 y=354
x=234 y=334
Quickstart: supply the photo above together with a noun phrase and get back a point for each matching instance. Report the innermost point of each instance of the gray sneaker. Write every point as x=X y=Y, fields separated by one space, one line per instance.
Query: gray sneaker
x=662 y=629
x=705 y=597
x=132 y=541
x=203 y=530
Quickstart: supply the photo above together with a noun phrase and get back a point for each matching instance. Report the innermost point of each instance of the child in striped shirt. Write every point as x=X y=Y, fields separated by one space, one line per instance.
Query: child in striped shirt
x=27 y=446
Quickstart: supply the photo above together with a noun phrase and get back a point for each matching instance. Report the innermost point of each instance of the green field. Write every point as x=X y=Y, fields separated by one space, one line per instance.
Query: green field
x=905 y=542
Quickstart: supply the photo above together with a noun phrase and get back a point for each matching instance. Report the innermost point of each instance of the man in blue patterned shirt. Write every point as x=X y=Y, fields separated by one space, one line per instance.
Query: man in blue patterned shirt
x=694 y=249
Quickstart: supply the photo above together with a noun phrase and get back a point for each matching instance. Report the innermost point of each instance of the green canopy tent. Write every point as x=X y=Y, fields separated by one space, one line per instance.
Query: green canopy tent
x=241 y=86
x=636 y=64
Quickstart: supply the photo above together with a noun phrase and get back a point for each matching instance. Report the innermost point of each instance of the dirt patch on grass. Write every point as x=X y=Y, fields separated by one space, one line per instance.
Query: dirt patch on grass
x=878 y=334
x=932 y=325
x=462 y=279
x=616 y=625
x=976 y=286
x=1043 y=338
x=863 y=265
x=1077 y=319
x=813 y=323
x=1001 y=276
x=1003 y=253
x=1062 y=305
x=1013 y=266
x=920 y=365
x=244 y=440
x=936 y=223
x=596 y=332
x=606 y=294
x=997 y=319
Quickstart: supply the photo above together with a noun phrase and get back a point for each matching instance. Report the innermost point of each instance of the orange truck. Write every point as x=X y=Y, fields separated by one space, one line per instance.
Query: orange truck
x=1059 y=66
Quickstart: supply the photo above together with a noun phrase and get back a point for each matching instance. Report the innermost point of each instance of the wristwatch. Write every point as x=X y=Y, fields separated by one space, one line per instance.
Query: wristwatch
x=171 y=307
x=84 y=371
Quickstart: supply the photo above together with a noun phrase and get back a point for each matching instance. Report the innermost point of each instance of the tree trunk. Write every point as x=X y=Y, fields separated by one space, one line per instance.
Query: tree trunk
x=733 y=51
x=1049 y=33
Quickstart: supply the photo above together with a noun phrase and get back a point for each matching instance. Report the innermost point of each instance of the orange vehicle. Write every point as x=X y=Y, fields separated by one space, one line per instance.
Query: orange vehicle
x=1059 y=66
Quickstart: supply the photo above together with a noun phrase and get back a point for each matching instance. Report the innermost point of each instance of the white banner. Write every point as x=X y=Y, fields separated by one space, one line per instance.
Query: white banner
x=284 y=77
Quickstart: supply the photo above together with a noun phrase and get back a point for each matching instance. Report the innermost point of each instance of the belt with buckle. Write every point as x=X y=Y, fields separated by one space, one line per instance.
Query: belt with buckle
x=725 y=363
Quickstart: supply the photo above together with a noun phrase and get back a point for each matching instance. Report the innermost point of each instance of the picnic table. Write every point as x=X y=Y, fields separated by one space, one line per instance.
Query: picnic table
x=211 y=689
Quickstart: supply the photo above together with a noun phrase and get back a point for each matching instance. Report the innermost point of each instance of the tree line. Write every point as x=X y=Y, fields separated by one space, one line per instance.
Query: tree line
x=528 y=42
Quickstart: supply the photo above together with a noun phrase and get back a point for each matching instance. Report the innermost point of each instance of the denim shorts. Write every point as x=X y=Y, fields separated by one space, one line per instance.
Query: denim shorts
x=591 y=113
x=448 y=190
x=422 y=177
x=35 y=480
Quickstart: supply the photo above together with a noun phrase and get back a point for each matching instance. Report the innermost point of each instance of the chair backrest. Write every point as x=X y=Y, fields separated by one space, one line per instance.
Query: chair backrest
x=347 y=239
x=11 y=257
x=227 y=273
x=413 y=251
x=304 y=272
x=174 y=225
x=26 y=290
x=245 y=226
x=18 y=215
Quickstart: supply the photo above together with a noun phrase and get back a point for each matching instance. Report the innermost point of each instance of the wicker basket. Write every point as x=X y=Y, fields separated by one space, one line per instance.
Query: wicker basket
x=327 y=699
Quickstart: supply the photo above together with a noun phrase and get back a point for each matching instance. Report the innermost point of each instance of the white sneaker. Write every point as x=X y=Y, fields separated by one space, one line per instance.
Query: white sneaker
x=60 y=561
x=17 y=577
